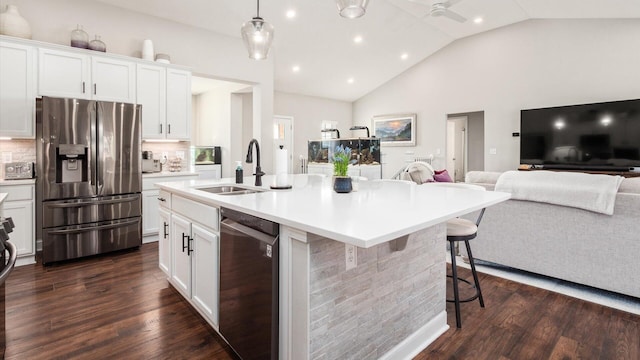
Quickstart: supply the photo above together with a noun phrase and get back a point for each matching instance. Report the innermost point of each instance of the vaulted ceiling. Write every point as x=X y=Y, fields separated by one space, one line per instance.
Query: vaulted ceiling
x=321 y=43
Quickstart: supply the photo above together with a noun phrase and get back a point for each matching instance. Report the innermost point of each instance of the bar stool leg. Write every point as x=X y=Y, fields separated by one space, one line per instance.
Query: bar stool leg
x=475 y=274
x=456 y=296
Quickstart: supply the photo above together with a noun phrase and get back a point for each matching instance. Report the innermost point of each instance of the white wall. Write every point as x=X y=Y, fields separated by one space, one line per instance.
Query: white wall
x=308 y=113
x=536 y=63
x=123 y=31
x=213 y=124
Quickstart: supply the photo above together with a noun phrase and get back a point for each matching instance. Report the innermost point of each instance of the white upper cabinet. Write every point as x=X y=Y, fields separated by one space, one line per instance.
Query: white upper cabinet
x=151 y=94
x=17 y=90
x=74 y=75
x=113 y=80
x=63 y=74
x=178 y=104
x=165 y=96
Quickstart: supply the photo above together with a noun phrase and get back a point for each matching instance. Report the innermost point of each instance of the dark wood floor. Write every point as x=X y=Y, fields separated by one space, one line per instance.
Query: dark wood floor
x=121 y=307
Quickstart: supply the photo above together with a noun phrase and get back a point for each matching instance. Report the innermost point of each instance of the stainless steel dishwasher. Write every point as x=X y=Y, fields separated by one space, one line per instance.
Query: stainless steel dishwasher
x=249 y=284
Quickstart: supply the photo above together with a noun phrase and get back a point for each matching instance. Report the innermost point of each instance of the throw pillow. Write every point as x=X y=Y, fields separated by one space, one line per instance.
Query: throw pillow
x=415 y=176
x=442 y=176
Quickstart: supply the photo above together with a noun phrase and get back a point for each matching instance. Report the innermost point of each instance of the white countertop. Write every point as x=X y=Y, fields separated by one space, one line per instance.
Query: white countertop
x=18 y=182
x=378 y=212
x=168 y=173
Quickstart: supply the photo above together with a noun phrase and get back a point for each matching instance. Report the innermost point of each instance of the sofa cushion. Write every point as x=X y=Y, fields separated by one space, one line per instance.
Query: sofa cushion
x=482 y=177
x=630 y=185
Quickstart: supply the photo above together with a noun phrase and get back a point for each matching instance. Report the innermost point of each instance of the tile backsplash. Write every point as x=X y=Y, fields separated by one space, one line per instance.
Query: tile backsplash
x=25 y=150
x=17 y=151
x=172 y=149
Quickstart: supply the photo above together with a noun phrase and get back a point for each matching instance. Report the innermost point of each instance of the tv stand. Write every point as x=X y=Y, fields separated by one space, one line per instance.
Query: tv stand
x=626 y=174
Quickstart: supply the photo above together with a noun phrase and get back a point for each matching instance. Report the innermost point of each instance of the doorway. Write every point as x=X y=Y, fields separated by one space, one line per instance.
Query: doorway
x=456 y=147
x=283 y=136
x=465 y=144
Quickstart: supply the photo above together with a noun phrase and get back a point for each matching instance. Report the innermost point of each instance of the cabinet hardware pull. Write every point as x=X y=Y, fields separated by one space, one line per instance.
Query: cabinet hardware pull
x=189 y=248
x=83 y=87
x=95 y=89
x=168 y=128
x=162 y=199
x=185 y=247
x=160 y=128
x=164 y=231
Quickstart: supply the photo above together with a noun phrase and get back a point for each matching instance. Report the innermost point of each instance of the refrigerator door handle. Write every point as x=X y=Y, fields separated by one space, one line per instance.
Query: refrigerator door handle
x=93 y=157
x=92 y=228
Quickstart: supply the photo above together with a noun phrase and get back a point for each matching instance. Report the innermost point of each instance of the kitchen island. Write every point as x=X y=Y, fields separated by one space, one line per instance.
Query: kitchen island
x=362 y=275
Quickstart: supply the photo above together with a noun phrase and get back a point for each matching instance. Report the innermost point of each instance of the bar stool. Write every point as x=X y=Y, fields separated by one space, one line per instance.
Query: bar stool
x=463 y=230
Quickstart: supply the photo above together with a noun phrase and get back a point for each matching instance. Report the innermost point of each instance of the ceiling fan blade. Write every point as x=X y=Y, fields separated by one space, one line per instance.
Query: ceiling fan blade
x=454 y=16
x=452 y=2
x=421 y=2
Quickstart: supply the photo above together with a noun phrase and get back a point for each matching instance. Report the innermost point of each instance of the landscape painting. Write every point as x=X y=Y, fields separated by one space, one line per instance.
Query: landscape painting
x=395 y=130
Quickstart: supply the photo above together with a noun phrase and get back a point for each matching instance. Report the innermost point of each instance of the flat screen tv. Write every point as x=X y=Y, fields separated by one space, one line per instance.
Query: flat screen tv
x=602 y=136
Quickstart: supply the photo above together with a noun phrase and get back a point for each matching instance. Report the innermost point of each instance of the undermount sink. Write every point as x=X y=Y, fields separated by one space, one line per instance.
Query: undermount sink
x=230 y=190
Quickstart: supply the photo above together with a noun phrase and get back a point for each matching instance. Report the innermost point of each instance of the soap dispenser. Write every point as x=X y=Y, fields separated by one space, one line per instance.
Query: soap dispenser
x=239 y=172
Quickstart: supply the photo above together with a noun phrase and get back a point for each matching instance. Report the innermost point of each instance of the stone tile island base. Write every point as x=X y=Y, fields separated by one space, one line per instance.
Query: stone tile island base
x=390 y=306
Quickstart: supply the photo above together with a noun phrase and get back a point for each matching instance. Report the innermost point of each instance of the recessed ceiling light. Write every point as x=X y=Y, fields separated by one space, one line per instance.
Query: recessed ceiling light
x=404 y=56
x=291 y=14
x=478 y=20
x=350 y=80
x=295 y=68
x=357 y=39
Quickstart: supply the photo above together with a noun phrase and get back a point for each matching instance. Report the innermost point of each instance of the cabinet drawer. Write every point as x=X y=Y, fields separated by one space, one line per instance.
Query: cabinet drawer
x=206 y=215
x=18 y=192
x=164 y=198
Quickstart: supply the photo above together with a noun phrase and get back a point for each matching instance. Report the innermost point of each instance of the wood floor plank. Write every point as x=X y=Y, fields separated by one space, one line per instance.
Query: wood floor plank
x=120 y=306
x=523 y=322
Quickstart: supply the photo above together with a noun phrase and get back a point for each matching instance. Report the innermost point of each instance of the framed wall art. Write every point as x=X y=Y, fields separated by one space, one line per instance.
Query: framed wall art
x=395 y=130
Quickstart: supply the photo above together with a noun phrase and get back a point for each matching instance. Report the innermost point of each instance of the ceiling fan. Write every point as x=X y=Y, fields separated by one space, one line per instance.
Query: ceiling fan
x=441 y=8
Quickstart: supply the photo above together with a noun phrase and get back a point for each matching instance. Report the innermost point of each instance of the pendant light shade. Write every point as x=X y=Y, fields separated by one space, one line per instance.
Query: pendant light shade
x=257 y=35
x=352 y=8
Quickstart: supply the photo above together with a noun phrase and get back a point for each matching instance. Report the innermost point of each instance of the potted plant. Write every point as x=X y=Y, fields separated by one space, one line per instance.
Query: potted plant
x=341 y=157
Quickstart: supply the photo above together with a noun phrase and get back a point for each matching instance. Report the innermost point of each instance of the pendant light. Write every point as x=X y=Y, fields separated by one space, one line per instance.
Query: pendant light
x=257 y=35
x=352 y=8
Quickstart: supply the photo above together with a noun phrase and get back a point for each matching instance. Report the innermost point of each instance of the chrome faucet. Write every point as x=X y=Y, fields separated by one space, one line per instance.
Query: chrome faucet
x=249 y=160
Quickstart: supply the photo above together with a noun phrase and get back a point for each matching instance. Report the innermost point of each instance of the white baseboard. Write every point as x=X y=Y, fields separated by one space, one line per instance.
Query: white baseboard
x=419 y=340
x=150 y=238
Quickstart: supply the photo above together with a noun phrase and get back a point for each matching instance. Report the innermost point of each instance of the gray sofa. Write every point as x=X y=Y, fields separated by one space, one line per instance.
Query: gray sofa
x=567 y=243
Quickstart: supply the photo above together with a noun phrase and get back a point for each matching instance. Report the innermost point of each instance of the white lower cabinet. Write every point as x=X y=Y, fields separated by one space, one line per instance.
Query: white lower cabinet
x=164 y=242
x=204 y=271
x=20 y=206
x=151 y=199
x=193 y=262
x=150 y=220
x=181 y=272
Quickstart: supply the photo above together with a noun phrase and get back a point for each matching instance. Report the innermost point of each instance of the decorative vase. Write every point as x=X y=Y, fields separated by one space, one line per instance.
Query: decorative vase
x=12 y=24
x=97 y=44
x=79 y=38
x=147 y=50
x=342 y=184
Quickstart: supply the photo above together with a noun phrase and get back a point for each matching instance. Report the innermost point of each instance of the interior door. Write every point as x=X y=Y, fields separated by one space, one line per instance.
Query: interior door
x=283 y=136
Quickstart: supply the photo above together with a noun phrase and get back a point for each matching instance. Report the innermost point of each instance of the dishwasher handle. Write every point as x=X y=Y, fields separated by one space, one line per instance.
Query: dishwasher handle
x=233 y=226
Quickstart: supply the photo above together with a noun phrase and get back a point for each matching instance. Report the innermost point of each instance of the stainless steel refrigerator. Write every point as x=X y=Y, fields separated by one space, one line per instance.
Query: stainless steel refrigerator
x=88 y=177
